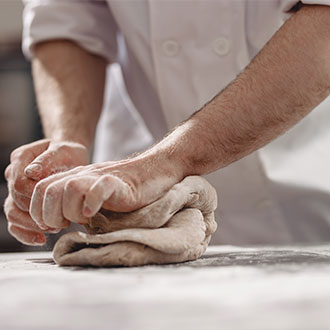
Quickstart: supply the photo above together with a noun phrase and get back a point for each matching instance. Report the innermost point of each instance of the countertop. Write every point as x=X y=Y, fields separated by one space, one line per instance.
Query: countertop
x=228 y=288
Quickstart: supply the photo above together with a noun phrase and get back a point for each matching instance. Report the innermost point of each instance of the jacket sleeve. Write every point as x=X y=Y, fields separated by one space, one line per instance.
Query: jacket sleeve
x=89 y=23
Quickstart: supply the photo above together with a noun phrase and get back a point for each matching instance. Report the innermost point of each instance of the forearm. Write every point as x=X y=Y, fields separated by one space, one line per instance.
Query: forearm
x=285 y=81
x=69 y=85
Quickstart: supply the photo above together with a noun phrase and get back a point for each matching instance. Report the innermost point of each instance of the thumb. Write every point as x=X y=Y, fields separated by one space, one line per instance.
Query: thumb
x=34 y=171
x=39 y=168
x=49 y=162
x=57 y=158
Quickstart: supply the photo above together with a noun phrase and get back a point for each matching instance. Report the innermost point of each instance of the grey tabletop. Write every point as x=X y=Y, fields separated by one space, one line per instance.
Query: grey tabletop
x=228 y=288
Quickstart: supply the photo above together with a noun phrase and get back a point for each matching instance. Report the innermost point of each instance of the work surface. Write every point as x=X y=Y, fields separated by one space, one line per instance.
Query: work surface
x=228 y=288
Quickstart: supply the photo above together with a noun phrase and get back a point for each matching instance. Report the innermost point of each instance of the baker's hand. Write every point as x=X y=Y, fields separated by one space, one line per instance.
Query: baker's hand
x=29 y=164
x=21 y=225
x=79 y=194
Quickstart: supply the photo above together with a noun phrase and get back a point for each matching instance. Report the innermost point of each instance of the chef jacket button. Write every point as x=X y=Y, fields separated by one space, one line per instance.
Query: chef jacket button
x=170 y=47
x=221 y=46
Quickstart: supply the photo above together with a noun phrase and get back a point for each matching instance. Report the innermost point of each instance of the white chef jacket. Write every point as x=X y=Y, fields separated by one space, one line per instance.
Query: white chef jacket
x=171 y=58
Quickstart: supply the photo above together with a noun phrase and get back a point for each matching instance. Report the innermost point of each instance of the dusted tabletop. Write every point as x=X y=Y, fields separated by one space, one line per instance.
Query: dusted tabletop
x=228 y=288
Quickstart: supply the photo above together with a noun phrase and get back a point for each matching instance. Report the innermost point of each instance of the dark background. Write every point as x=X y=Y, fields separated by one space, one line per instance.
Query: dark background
x=19 y=122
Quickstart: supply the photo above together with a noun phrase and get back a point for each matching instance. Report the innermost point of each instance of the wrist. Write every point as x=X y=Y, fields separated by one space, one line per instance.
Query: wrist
x=72 y=148
x=178 y=153
x=161 y=162
x=64 y=137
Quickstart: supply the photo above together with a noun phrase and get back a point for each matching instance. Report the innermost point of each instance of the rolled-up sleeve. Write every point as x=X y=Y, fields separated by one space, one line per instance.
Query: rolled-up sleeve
x=89 y=23
x=286 y=5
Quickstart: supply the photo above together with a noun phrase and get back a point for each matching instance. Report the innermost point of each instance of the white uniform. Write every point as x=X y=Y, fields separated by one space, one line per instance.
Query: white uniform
x=176 y=55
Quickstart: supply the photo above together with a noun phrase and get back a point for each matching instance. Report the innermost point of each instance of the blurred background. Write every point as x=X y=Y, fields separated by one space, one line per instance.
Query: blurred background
x=19 y=123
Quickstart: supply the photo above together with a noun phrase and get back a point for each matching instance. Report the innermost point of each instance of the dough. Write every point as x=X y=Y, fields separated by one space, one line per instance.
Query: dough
x=175 y=228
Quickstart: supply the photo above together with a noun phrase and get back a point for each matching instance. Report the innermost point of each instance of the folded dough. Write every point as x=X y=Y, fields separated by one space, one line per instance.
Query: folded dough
x=175 y=228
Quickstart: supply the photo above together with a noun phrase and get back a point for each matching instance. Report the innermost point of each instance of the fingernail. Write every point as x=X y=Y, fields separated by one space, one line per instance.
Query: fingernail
x=33 y=170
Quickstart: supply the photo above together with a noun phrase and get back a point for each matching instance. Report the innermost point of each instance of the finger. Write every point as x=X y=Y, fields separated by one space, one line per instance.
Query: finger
x=17 y=217
x=36 y=204
x=73 y=198
x=22 y=219
x=8 y=172
x=58 y=158
x=52 y=213
x=21 y=201
x=37 y=201
x=21 y=185
x=23 y=156
x=102 y=190
x=28 y=152
x=28 y=237
x=20 y=158
x=44 y=165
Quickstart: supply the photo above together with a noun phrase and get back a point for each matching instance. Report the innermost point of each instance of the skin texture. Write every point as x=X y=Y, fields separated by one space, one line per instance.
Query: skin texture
x=285 y=81
x=69 y=116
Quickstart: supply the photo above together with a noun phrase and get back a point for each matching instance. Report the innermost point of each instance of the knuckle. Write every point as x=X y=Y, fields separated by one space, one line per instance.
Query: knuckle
x=11 y=214
x=65 y=148
x=20 y=201
x=8 y=172
x=21 y=184
x=9 y=210
x=8 y=203
x=14 y=154
x=52 y=190
x=72 y=186
x=10 y=228
x=39 y=188
x=108 y=178
x=18 y=153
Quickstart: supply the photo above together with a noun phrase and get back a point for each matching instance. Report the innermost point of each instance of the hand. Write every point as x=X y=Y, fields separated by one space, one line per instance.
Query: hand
x=29 y=164
x=78 y=194
x=22 y=227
